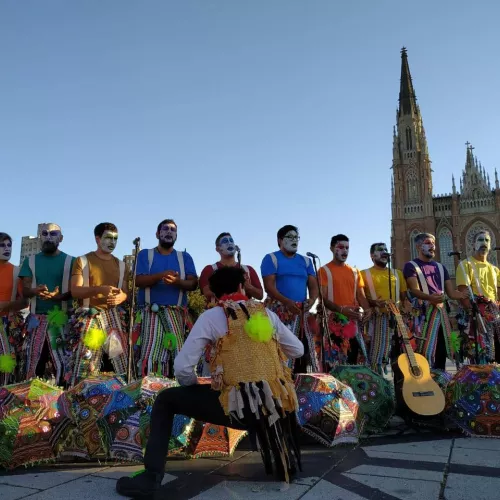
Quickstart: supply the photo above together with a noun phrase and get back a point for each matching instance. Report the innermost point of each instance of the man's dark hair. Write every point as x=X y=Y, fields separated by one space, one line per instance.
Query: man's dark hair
x=104 y=226
x=166 y=221
x=282 y=232
x=221 y=235
x=5 y=236
x=226 y=280
x=375 y=245
x=338 y=237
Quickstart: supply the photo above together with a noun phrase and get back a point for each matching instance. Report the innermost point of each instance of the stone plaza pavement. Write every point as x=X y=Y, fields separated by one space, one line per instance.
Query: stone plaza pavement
x=401 y=464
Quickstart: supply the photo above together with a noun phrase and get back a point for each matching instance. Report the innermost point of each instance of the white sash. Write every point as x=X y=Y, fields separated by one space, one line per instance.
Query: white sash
x=15 y=274
x=329 y=279
x=180 y=258
x=275 y=260
x=371 y=286
x=31 y=263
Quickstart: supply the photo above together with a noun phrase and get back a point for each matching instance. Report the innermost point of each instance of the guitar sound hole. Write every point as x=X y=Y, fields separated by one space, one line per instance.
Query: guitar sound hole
x=416 y=371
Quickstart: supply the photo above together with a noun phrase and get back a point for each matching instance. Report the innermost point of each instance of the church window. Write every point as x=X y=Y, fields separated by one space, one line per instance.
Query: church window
x=409 y=144
x=413 y=248
x=445 y=240
x=476 y=228
x=411 y=185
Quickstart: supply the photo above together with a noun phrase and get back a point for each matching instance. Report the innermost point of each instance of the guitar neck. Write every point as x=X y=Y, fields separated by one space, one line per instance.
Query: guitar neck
x=403 y=330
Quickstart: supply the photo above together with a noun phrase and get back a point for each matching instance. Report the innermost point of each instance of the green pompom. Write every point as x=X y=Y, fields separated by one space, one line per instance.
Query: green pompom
x=57 y=317
x=170 y=341
x=94 y=339
x=7 y=363
x=455 y=341
x=259 y=327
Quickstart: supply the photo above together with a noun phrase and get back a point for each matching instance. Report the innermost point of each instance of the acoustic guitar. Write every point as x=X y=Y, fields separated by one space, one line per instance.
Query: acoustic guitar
x=421 y=394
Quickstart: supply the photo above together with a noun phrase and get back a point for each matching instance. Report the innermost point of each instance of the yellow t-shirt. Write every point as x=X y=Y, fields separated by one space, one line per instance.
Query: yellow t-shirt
x=487 y=274
x=380 y=280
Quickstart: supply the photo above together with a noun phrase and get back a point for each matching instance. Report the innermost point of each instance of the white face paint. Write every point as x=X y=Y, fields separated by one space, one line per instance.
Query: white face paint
x=50 y=237
x=429 y=247
x=226 y=246
x=168 y=234
x=291 y=241
x=380 y=255
x=483 y=243
x=108 y=241
x=341 y=250
x=5 y=249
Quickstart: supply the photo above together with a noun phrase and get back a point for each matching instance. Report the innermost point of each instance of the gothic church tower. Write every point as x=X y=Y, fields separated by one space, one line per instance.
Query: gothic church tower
x=412 y=205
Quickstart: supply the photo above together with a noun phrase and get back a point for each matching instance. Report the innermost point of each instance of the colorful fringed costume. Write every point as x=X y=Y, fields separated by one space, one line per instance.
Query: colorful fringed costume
x=46 y=329
x=303 y=326
x=92 y=332
x=255 y=386
x=159 y=334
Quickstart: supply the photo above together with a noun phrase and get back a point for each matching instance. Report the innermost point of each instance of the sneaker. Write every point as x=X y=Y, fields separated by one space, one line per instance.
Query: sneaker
x=141 y=484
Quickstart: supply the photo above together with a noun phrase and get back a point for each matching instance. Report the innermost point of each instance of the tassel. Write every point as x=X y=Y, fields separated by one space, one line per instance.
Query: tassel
x=94 y=339
x=259 y=327
x=7 y=363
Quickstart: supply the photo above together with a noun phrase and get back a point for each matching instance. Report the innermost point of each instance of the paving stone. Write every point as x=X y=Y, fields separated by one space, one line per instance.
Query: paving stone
x=47 y=477
x=118 y=471
x=394 y=472
x=424 y=451
x=478 y=443
x=465 y=487
x=328 y=491
x=14 y=492
x=478 y=457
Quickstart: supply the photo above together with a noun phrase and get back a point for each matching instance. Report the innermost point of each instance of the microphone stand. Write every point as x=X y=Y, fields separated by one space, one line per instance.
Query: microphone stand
x=324 y=323
x=136 y=243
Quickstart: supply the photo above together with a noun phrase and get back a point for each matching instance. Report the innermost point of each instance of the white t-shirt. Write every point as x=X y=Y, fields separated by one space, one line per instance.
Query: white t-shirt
x=209 y=328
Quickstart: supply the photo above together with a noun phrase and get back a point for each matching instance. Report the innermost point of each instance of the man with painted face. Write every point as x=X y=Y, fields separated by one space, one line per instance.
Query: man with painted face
x=98 y=335
x=46 y=280
x=288 y=278
x=481 y=279
x=226 y=248
x=11 y=302
x=343 y=294
x=164 y=276
x=378 y=291
x=428 y=281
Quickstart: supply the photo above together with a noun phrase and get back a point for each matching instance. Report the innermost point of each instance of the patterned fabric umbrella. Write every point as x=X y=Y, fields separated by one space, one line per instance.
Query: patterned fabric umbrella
x=84 y=407
x=29 y=418
x=441 y=377
x=374 y=393
x=129 y=427
x=327 y=409
x=473 y=400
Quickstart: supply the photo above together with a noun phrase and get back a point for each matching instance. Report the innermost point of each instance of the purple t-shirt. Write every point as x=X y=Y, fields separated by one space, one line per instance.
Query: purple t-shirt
x=431 y=273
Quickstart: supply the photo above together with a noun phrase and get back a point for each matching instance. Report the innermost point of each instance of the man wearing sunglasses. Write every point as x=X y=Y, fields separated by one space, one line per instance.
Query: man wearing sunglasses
x=46 y=282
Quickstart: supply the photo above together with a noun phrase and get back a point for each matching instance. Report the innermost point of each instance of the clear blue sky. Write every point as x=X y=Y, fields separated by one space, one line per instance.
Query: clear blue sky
x=232 y=115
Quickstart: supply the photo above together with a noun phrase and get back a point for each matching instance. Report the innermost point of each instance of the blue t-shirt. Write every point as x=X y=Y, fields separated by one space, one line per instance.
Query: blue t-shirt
x=49 y=270
x=161 y=293
x=291 y=276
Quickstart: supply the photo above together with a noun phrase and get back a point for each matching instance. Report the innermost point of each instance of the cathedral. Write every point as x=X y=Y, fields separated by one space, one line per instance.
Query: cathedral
x=454 y=218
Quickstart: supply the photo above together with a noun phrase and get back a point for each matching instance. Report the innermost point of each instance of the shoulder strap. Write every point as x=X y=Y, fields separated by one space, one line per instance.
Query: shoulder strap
x=306 y=260
x=396 y=276
x=31 y=263
x=275 y=260
x=15 y=274
x=65 y=280
x=245 y=268
x=371 y=286
x=355 y=272
x=441 y=274
x=214 y=267
x=421 y=278
x=475 y=275
x=85 y=276
x=180 y=258
x=329 y=280
x=121 y=266
x=147 y=291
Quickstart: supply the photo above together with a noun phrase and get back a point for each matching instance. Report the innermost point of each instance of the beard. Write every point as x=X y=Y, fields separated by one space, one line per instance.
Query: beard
x=167 y=245
x=381 y=263
x=49 y=248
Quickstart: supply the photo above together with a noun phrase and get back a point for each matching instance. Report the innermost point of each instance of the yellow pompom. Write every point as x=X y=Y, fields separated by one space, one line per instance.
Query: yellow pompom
x=7 y=363
x=94 y=339
x=259 y=327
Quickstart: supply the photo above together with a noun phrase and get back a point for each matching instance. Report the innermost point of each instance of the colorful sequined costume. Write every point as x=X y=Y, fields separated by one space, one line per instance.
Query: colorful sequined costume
x=256 y=386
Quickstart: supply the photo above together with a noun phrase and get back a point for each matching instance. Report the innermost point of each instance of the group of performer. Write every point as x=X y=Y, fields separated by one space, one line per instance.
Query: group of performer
x=78 y=315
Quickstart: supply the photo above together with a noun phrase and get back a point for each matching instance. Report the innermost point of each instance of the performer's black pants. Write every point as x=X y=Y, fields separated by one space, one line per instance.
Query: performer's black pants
x=195 y=401
x=440 y=354
x=352 y=355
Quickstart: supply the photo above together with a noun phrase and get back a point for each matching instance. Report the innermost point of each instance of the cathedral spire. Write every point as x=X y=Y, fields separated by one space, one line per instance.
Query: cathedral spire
x=453 y=184
x=497 y=186
x=407 y=99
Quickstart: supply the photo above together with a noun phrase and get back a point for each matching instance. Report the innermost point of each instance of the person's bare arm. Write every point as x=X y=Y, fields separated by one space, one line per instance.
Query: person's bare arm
x=29 y=292
x=78 y=291
x=252 y=291
x=272 y=291
x=14 y=305
x=455 y=294
x=189 y=284
x=149 y=280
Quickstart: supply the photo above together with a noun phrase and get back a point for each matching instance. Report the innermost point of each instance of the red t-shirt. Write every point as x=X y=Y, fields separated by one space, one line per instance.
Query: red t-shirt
x=209 y=270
